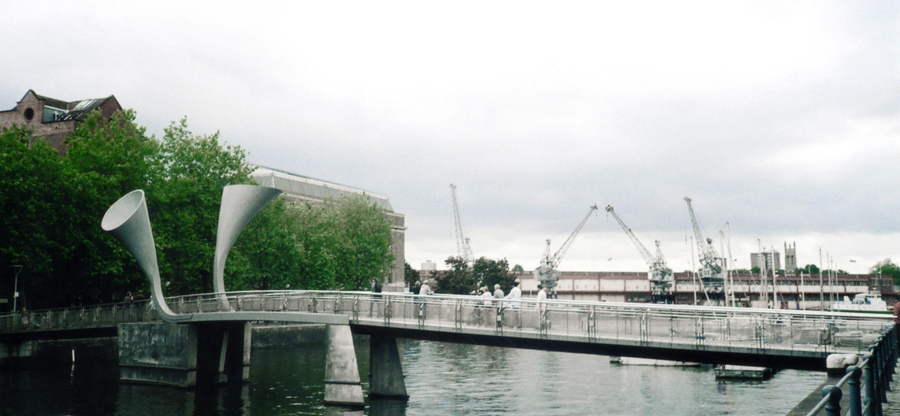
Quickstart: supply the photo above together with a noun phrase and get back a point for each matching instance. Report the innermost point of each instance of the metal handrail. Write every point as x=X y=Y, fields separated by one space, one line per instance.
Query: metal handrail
x=878 y=365
x=672 y=324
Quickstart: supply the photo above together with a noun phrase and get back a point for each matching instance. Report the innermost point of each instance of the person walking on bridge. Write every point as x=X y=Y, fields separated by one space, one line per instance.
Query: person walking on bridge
x=541 y=298
x=425 y=289
x=515 y=294
x=498 y=293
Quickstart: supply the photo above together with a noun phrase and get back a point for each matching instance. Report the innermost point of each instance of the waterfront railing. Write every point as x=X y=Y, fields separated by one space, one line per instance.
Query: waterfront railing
x=877 y=369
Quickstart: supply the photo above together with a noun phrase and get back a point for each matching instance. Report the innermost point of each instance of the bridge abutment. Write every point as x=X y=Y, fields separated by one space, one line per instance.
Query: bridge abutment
x=184 y=355
x=342 y=383
x=158 y=353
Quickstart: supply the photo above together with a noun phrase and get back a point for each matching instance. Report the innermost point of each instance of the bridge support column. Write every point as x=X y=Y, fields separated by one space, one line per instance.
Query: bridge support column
x=224 y=353
x=235 y=366
x=342 y=384
x=386 y=378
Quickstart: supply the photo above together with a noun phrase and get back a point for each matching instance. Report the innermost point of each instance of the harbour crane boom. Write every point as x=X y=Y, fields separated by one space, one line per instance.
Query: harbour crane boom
x=557 y=257
x=547 y=271
x=462 y=242
x=708 y=255
x=637 y=243
x=660 y=275
x=712 y=265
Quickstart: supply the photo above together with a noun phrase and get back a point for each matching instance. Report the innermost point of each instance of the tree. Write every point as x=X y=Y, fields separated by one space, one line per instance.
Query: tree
x=518 y=268
x=887 y=268
x=493 y=272
x=410 y=275
x=343 y=243
x=364 y=241
x=33 y=185
x=458 y=279
x=267 y=255
x=184 y=194
x=810 y=269
x=106 y=159
x=52 y=207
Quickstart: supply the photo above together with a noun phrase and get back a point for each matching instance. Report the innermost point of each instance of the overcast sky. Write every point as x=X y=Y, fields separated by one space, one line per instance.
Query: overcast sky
x=780 y=119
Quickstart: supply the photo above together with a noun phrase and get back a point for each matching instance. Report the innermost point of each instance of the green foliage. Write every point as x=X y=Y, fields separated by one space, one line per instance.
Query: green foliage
x=887 y=268
x=183 y=197
x=410 y=275
x=518 y=268
x=810 y=269
x=493 y=272
x=52 y=208
x=341 y=244
x=56 y=205
x=458 y=280
x=33 y=183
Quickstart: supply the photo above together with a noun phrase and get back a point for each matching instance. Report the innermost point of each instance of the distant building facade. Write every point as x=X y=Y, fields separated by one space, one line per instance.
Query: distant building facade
x=299 y=188
x=802 y=291
x=55 y=119
x=766 y=260
x=790 y=258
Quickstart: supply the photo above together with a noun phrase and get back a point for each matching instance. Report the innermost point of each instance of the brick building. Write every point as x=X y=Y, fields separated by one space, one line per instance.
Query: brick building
x=54 y=119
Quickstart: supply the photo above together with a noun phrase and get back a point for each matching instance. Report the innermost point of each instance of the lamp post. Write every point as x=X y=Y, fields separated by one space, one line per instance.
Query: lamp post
x=18 y=269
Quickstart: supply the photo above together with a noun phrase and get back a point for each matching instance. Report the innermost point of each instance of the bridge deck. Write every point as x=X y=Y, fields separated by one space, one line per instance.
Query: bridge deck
x=775 y=338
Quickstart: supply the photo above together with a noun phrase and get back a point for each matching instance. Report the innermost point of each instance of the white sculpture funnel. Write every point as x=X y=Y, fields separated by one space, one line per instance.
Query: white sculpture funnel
x=128 y=222
x=240 y=203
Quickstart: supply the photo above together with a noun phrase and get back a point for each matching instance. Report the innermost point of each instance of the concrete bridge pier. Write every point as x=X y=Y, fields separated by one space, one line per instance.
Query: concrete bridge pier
x=386 y=378
x=235 y=365
x=224 y=353
x=342 y=383
x=184 y=355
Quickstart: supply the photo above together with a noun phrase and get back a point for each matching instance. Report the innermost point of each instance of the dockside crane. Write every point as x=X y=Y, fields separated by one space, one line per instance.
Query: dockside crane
x=712 y=266
x=463 y=250
x=660 y=275
x=547 y=272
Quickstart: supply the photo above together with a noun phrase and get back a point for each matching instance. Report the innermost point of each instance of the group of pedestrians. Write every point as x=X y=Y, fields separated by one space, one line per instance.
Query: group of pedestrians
x=512 y=299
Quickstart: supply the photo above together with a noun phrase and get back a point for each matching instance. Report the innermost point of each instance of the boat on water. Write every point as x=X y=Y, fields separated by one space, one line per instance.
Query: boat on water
x=742 y=372
x=862 y=303
x=651 y=362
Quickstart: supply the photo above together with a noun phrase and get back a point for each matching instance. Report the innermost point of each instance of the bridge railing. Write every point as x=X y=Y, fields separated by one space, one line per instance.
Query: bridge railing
x=585 y=321
x=590 y=321
x=91 y=316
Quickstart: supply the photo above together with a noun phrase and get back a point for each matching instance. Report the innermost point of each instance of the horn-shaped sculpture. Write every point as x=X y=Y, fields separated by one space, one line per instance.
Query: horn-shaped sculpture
x=128 y=222
x=240 y=203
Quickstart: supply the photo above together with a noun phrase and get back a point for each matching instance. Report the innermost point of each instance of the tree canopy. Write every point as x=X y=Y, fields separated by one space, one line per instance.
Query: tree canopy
x=461 y=280
x=52 y=208
x=887 y=268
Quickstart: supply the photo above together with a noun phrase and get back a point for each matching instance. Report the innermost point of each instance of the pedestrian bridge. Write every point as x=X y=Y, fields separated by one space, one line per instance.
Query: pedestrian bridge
x=716 y=335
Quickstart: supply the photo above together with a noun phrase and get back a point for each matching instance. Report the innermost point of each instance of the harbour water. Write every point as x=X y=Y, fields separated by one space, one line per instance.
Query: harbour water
x=441 y=378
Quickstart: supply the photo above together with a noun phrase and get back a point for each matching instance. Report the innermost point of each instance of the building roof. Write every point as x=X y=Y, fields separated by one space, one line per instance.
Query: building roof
x=71 y=110
x=311 y=188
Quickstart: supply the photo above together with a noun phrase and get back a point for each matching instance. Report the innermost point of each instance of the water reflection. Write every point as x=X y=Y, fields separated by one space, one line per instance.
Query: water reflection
x=440 y=378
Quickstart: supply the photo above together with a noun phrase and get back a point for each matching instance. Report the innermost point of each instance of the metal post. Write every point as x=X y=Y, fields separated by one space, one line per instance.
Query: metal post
x=18 y=268
x=834 y=394
x=870 y=385
x=855 y=397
